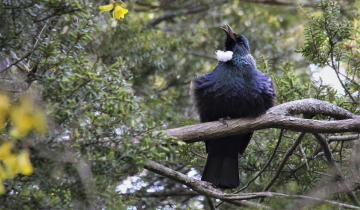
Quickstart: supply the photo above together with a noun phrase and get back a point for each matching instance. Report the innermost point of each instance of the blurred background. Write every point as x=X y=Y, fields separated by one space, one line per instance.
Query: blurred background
x=105 y=85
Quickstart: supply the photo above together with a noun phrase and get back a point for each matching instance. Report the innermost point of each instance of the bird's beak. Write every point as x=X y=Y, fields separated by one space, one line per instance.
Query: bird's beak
x=229 y=32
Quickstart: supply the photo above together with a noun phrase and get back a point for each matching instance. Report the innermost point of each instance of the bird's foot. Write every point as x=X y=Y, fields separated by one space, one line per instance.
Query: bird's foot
x=223 y=120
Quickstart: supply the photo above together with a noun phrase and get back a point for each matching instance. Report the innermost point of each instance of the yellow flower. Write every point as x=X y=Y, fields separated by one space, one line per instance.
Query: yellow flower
x=11 y=165
x=25 y=166
x=106 y=8
x=2 y=188
x=120 y=12
x=5 y=149
x=3 y=175
x=40 y=122
x=4 y=103
x=4 y=108
x=25 y=118
x=115 y=9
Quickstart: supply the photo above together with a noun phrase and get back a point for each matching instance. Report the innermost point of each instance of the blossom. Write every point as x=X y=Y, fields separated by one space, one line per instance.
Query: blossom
x=2 y=188
x=115 y=9
x=3 y=174
x=5 y=149
x=25 y=118
x=106 y=8
x=4 y=108
x=4 y=103
x=25 y=166
x=11 y=164
x=120 y=12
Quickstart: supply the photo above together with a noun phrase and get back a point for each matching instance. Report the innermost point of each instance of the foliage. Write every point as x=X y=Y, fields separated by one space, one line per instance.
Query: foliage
x=106 y=86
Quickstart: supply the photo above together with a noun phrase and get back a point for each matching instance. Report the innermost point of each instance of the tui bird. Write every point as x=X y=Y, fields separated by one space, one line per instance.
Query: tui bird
x=235 y=89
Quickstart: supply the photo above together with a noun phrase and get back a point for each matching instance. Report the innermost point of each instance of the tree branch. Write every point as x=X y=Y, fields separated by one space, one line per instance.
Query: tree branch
x=160 y=194
x=332 y=166
x=80 y=164
x=284 y=160
x=205 y=55
x=206 y=189
x=210 y=203
x=278 y=3
x=267 y=164
x=280 y=116
x=171 y=14
x=344 y=138
x=201 y=187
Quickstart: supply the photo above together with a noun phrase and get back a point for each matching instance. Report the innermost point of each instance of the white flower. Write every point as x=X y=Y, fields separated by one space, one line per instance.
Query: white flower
x=224 y=56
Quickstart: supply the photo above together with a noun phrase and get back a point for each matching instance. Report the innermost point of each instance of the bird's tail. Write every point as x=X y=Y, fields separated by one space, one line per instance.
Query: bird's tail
x=222 y=171
x=221 y=167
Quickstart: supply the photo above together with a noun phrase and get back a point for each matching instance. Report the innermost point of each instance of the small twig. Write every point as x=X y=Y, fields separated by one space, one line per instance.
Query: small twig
x=81 y=165
x=333 y=65
x=262 y=170
x=311 y=157
x=174 y=193
x=18 y=60
x=344 y=138
x=315 y=45
x=304 y=155
x=205 y=55
x=210 y=202
x=197 y=154
x=279 y=3
x=267 y=164
x=37 y=40
x=332 y=165
x=283 y=161
x=171 y=14
x=340 y=152
x=347 y=77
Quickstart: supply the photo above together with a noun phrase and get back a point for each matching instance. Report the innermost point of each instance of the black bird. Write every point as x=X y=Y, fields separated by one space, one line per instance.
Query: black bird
x=235 y=89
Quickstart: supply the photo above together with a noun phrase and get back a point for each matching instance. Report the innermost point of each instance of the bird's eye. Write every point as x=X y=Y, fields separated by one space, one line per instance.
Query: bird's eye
x=240 y=41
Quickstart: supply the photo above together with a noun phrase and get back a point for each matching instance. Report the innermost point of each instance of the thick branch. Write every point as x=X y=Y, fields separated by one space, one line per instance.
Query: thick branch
x=277 y=117
x=201 y=187
x=281 y=116
x=206 y=189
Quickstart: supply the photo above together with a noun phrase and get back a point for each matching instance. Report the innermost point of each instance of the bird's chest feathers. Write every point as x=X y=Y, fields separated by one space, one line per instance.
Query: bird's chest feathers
x=243 y=62
x=235 y=78
x=239 y=71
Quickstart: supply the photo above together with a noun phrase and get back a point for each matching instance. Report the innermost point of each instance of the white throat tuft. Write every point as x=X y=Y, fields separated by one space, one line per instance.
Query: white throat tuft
x=224 y=56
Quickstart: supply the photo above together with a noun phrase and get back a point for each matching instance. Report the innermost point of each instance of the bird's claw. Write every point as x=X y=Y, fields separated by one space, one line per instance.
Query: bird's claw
x=223 y=121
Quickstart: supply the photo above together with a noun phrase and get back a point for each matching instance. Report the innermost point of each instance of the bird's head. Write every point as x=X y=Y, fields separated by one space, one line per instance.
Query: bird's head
x=236 y=43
